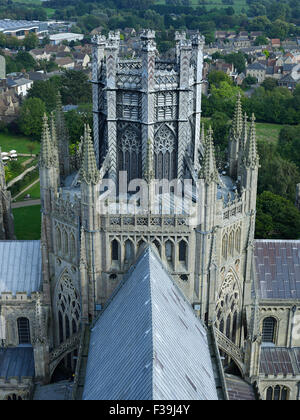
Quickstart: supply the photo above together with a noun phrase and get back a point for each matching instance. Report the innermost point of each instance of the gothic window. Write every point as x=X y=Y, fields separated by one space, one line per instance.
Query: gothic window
x=238 y=240
x=231 y=244
x=65 y=243
x=224 y=246
x=130 y=153
x=182 y=251
x=129 y=251
x=165 y=154
x=68 y=308
x=58 y=238
x=23 y=331
x=115 y=250
x=277 y=393
x=128 y=105
x=227 y=308
x=169 y=251
x=269 y=330
x=72 y=246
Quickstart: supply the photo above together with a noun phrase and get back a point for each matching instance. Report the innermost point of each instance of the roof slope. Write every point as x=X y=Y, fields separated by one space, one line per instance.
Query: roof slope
x=148 y=344
x=238 y=389
x=280 y=360
x=277 y=265
x=16 y=362
x=20 y=266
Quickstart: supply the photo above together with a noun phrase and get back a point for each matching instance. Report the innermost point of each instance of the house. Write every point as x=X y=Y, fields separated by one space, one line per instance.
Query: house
x=276 y=43
x=40 y=54
x=21 y=86
x=54 y=49
x=257 y=70
x=65 y=62
x=81 y=59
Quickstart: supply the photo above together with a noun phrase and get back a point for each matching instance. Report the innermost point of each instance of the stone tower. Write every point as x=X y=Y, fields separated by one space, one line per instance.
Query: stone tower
x=147 y=124
x=6 y=216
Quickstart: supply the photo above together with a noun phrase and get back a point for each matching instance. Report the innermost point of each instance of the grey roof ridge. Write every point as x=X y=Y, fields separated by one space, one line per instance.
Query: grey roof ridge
x=121 y=284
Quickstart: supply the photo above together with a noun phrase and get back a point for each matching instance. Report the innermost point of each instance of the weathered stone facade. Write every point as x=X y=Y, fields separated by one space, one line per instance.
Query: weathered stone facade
x=147 y=122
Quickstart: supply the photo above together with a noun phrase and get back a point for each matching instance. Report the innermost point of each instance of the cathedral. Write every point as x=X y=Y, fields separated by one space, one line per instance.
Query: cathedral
x=169 y=300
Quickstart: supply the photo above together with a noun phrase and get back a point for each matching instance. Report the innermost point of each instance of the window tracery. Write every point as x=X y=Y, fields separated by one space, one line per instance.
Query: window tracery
x=130 y=153
x=227 y=308
x=165 y=154
x=68 y=308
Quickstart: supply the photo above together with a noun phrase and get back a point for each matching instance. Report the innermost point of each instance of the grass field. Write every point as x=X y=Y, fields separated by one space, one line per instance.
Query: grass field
x=10 y=142
x=34 y=192
x=28 y=222
x=268 y=132
x=211 y=4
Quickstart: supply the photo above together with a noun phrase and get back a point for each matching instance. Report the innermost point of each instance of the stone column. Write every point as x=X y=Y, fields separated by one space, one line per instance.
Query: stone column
x=148 y=96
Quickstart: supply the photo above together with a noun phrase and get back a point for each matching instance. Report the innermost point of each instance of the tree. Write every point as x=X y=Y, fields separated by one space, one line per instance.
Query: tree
x=31 y=117
x=238 y=60
x=276 y=218
x=46 y=91
x=276 y=174
x=249 y=81
x=215 y=77
x=269 y=83
x=261 y=40
x=25 y=61
x=76 y=88
x=30 y=41
x=289 y=144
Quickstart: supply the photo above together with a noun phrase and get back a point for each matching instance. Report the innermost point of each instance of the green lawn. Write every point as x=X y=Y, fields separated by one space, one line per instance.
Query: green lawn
x=34 y=192
x=28 y=222
x=12 y=142
x=210 y=4
x=268 y=132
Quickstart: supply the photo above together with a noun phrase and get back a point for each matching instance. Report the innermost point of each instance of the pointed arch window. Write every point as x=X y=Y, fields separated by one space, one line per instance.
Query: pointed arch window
x=238 y=240
x=130 y=153
x=23 y=330
x=72 y=246
x=129 y=251
x=277 y=393
x=182 y=251
x=66 y=243
x=115 y=250
x=225 y=246
x=58 y=239
x=165 y=154
x=269 y=330
x=68 y=309
x=169 y=251
x=231 y=244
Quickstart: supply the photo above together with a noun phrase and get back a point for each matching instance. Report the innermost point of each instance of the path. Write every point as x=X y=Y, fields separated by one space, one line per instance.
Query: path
x=25 y=189
x=26 y=203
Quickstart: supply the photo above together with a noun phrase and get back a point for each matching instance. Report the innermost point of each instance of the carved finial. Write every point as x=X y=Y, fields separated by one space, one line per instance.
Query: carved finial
x=89 y=172
x=208 y=170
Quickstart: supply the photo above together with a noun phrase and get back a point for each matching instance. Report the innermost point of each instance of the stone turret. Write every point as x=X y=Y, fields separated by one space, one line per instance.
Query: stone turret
x=90 y=232
x=235 y=137
x=208 y=170
x=249 y=167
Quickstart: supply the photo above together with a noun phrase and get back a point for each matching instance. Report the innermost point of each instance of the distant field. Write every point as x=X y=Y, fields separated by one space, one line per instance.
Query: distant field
x=268 y=132
x=10 y=142
x=28 y=222
x=33 y=191
x=238 y=4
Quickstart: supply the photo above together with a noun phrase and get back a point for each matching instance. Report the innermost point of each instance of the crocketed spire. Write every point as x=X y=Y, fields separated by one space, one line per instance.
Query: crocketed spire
x=47 y=155
x=237 y=122
x=2 y=174
x=208 y=170
x=54 y=137
x=89 y=172
x=244 y=135
x=251 y=155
